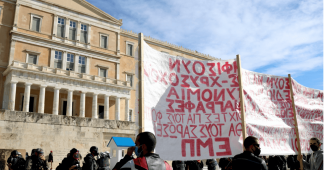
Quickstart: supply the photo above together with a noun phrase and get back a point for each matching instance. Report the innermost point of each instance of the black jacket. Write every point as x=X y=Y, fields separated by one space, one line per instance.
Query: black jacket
x=248 y=161
x=17 y=163
x=90 y=163
x=67 y=163
x=211 y=164
x=275 y=163
x=225 y=163
x=35 y=163
x=178 y=165
x=194 y=165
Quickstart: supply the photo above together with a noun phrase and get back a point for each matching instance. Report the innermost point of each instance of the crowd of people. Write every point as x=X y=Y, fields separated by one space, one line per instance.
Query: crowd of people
x=146 y=159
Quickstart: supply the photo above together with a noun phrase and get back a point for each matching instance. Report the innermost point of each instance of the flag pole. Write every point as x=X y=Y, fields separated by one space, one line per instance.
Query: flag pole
x=141 y=77
x=295 y=119
x=238 y=63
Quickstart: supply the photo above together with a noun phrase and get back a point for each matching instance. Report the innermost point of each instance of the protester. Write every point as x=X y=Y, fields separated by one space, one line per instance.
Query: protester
x=146 y=158
x=225 y=163
x=291 y=162
x=211 y=164
x=194 y=165
x=90 y=163
x=37 y=160
x=15 y=161
x=71 y=162
x=248 y=160
x=283 y=158
x=178 y=165
x=316 y=159
x=275 y=163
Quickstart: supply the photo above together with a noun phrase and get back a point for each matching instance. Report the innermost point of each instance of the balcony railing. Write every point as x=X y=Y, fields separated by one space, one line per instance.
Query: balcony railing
x=69 y=73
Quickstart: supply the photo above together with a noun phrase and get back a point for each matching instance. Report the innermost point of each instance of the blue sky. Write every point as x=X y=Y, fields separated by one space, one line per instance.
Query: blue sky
x=278 y=37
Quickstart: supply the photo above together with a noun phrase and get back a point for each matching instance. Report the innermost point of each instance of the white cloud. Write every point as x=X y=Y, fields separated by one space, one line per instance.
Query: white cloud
x=280 y=36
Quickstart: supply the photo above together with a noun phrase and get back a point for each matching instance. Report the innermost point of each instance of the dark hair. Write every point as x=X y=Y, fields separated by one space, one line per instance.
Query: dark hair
x=14 y=153
x=72 y=151
x=317 y=140
x=148 y=139
x=250 y=140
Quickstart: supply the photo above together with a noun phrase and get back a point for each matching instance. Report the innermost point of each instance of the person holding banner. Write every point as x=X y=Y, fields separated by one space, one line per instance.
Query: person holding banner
x=316 y=159
x=146 y=158
x=249 y=160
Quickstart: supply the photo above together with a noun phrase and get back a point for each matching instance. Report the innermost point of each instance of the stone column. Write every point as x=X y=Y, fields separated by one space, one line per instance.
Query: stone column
x=27 y=97
x=41 y=100
x=117 y=71
x=16 y=17
x=12 y=51
x=88 y=36
x=56 y=100
x=67 y=29
x=12 y=96
x=82 y=104
x=87 y=65
x=117 y=108
x=95 y=105
x=106 y=111
x=69 y=103
x=126 y=109
x=52 y=59
x=76 y=63
x=64 y=58
x=78 y=32
x=54 y=26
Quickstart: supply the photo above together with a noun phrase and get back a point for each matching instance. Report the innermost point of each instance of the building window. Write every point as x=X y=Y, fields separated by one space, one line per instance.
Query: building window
x=129 y=79
x=36 y=22
x=0 y=10
x=32 y=58
x=84 y=33
x=129 y=48
x=82 y=64
x=60 y=27
x=103 y=41
x=72 y=31
x=164 y=52
x=58 y=59
x=130 y=115
x=102 y=72
x=70 y=62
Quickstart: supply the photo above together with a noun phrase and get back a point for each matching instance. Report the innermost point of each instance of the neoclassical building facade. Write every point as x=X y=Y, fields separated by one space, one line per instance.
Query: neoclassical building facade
x=69 y=58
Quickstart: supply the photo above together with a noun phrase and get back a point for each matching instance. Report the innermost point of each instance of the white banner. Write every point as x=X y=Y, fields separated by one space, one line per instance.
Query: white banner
x=191 y=106
x=268 y=112
x=309 y=108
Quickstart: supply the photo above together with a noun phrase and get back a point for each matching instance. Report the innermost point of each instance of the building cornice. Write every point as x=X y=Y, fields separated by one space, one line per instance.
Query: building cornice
x=76 y=15
x=63 y=74
x=44 y=42
x=164 y=44
x=110 y=20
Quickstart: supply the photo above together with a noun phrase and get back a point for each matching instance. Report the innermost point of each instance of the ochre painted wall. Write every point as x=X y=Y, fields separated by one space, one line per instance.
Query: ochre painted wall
x=94 y=69
x=20 y=53
x=95 y=38
x=25 y=16
x=7 y=13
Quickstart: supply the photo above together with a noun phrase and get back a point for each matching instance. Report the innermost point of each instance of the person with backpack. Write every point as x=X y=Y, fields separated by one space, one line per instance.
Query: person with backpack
x=16 y=161
x=71 y=162
x=37 y=160
x=90 y=163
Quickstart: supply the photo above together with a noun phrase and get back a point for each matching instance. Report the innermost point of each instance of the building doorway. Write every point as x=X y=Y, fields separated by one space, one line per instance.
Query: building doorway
x=101 y=111
x=31 y=104
x=65 y=107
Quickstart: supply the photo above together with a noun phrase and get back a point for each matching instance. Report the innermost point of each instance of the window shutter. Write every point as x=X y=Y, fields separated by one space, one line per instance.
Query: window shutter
x=60 y=30
x=84 y=37
x=35 y=24
x=72 y=33
x=103 y=41
x=103 y=72
x=32 y=59
x=130 y=50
